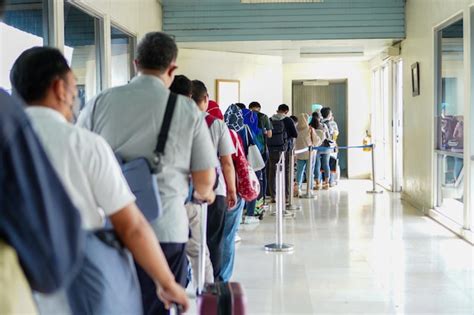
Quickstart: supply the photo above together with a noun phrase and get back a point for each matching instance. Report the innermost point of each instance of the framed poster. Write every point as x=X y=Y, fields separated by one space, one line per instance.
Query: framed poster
x=227 y=92
x=415 y=79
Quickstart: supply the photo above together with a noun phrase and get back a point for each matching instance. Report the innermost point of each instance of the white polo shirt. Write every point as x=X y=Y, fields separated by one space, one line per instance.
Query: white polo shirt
x=85 y=164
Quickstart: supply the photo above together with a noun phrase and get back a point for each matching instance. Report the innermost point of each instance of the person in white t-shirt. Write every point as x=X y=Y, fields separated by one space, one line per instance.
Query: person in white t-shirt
x=91 y=175
x=226 y=192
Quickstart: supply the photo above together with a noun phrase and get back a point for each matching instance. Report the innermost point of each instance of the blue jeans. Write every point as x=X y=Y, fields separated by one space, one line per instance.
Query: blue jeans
x=231 y=225
x=301 y=171
x=322 y=160
x=250 y=206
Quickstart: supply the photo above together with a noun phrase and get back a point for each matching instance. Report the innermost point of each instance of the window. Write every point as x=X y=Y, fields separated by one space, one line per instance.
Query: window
x=25 y=25
x=123 y=46
x=83 y=50
x=450 y=122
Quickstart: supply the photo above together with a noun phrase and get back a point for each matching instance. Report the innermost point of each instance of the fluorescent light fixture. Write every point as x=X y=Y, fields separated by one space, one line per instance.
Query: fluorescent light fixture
x=316 y=83
x=332 y=54
x=281 y=1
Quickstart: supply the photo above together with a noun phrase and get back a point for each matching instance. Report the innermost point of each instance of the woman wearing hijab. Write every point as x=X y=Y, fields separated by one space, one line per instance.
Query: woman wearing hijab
x=234 y=120
x=245 y=123
x=214 y=110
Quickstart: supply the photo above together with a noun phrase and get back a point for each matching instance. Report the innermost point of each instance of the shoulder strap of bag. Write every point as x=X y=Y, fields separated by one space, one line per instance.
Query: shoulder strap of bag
x=250 y=140
x=165 y=127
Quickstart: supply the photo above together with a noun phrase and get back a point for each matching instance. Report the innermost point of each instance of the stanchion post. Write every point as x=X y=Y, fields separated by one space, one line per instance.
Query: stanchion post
x=291 y=202
x=309 y=176
x=374 y=184
x=279 y=246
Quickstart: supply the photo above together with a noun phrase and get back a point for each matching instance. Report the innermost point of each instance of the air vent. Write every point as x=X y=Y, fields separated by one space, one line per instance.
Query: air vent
x=281 y=1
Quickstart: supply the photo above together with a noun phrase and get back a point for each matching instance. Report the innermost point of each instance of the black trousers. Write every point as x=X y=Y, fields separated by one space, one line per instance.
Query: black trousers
x=215 y=232
x=273 y=160
x=178 y=263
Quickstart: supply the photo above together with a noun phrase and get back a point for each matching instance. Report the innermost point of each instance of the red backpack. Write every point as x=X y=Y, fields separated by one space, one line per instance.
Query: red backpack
x=248 y=186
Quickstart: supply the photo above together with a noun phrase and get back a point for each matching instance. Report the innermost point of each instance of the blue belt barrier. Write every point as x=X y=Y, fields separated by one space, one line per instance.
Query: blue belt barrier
x=345 y=148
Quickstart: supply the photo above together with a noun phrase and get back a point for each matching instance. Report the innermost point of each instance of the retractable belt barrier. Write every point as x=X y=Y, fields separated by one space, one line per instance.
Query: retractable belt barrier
x=279 y=246
x=309 y=178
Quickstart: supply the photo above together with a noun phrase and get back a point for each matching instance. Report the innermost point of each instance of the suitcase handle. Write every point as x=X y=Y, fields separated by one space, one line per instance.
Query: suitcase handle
x=202 y=249
x=176 y=309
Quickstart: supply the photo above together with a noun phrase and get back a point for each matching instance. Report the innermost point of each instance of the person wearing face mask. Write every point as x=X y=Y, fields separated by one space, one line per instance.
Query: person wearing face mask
x=106 y=282
x=34 y=254
x=130 y=118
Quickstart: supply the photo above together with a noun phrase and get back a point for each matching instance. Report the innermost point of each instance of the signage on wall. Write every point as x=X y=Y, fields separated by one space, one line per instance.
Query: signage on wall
x=415 y=79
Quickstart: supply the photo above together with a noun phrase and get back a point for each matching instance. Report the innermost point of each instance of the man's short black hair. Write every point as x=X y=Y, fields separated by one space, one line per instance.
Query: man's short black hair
x=156 y=51
x=199 y=91
x=35 y=70
x=182 y=85
x=240 y=105
x=254 y=105
x=283 y=108
x=325 y=112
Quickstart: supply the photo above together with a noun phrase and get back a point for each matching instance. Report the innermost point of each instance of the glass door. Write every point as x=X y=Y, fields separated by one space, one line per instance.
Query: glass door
x=449 y=122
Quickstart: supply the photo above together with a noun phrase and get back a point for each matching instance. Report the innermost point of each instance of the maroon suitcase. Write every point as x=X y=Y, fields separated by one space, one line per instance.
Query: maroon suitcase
x=221 y=298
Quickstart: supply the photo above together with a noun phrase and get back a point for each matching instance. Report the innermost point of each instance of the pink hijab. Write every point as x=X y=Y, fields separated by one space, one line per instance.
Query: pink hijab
x=214 y=110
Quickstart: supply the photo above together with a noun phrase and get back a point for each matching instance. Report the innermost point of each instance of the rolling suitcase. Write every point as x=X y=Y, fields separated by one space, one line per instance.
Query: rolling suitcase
x=221 y=298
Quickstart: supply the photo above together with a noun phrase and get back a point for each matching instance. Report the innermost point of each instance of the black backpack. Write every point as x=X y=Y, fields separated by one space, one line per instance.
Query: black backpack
x=279 y=139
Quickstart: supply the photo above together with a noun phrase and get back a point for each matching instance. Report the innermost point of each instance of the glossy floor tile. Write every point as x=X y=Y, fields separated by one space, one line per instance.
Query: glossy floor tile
x=356 y=254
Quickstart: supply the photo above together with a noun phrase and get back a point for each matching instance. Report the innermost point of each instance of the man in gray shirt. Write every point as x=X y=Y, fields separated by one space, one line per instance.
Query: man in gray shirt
x=129 y=117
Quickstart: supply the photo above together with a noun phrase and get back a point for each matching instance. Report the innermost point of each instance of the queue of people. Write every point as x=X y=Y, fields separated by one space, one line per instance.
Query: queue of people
x=83 y=244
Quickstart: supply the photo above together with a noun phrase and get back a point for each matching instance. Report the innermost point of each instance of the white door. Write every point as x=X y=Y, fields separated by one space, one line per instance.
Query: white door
x=397 y=126
x=383 y=126
x=388 y=125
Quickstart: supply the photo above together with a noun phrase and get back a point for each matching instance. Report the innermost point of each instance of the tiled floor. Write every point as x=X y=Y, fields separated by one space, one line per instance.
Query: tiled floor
x=356 y=254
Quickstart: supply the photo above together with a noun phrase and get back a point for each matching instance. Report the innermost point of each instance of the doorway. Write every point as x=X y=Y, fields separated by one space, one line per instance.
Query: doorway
x=328 y=93
x=387 y=126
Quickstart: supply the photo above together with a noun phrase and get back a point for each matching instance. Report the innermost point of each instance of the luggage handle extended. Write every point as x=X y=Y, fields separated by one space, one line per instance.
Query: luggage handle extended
x=202 y=249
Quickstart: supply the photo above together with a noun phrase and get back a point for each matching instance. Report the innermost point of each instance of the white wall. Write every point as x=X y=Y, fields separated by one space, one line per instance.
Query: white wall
x=421 y=18
x=260 y=76
x=359 y=102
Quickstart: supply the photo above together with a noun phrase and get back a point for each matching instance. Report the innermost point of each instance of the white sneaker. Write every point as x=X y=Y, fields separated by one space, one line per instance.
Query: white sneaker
x=251 y=220
x=237 y=238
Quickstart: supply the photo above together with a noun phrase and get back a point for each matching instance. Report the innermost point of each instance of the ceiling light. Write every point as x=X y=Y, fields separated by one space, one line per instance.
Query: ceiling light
x=332 y=54
x=316 y=83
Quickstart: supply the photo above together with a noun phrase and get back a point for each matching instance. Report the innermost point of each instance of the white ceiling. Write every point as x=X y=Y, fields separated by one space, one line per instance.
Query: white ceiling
x=354 y=50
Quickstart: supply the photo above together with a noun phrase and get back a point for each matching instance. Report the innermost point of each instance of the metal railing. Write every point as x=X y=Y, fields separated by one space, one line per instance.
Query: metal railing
x=309 y=176
x=279 y=245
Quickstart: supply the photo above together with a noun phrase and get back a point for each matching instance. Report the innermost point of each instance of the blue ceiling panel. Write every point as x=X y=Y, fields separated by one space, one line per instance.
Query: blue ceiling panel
x=231 y=20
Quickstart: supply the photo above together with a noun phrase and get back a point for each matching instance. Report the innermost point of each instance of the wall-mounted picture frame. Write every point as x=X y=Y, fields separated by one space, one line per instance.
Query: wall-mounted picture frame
x=227 y=92
x=415 y=79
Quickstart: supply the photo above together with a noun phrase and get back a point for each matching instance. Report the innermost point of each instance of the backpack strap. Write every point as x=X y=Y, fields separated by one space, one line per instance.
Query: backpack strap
x=165 y=127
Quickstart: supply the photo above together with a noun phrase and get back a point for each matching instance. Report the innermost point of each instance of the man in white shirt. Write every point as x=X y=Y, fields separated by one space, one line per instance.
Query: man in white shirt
x=91 y=175
x=226 y=192
x=130 y=118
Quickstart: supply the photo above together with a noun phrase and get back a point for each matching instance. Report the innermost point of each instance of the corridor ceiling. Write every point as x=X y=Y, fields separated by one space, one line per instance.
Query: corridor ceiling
x=301 y=51
x=298 y=32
